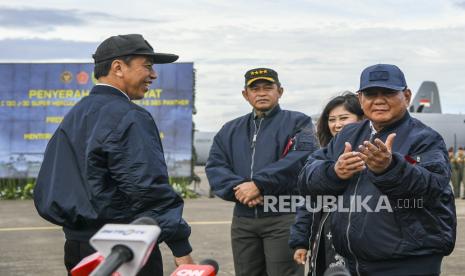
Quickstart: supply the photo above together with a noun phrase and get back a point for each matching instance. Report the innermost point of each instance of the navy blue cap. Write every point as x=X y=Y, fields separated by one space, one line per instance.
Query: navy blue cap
x=383 y=75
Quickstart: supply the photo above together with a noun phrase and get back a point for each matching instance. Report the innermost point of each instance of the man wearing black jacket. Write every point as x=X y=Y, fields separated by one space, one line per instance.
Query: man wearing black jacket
x=391 y=172
x=257 y=155
x=105 y=162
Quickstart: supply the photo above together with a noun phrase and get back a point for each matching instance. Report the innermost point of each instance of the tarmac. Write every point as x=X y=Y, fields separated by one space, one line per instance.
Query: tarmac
x=30 y=245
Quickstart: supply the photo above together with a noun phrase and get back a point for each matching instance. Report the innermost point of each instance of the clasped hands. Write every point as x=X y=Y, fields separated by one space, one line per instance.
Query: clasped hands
x=376 y=156
x=248 y=194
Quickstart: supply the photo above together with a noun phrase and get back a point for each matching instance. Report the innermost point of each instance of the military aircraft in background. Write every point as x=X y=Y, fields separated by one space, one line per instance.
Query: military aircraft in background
x=427 y=99
x=425 y=106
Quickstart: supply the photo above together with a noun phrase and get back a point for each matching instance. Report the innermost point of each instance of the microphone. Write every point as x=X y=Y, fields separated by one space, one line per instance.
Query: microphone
x=337 y=270
x=126 y=248
x=207 y=267
x=87 y=265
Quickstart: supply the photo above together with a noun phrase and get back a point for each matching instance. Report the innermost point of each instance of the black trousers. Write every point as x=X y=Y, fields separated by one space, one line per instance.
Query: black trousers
x=75 y=251
x=260 y=247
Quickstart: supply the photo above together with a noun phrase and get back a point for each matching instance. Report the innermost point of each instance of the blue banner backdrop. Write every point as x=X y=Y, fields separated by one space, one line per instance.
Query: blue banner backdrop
x=34 y=97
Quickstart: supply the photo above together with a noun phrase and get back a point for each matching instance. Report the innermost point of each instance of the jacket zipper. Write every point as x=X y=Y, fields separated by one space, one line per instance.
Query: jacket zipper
x=348 y=227
x=357 y=269
x=318 y=240
x=310 y=239
x=254 y=141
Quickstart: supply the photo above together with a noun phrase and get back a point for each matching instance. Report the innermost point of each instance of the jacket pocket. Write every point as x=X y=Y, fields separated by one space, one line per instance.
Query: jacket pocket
x=413 y=232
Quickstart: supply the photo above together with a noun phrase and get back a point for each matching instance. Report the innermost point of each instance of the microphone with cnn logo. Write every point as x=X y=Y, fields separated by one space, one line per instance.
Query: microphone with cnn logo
x=206 y=267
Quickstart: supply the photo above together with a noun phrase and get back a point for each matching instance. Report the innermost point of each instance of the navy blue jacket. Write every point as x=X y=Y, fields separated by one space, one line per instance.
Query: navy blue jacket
x=304 y=228
x=105 y=164
x=419 y=173
x=230 y=160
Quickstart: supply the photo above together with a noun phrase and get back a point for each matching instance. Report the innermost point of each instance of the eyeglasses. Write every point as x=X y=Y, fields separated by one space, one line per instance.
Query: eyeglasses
x=372 y=93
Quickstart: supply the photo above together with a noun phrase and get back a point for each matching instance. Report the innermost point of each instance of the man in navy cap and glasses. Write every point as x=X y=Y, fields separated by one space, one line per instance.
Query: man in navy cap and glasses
x=393 y=173
x=105 y=162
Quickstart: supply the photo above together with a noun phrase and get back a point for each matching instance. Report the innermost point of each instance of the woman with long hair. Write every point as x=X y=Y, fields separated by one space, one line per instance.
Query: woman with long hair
x=311 y=231
x=338 y=112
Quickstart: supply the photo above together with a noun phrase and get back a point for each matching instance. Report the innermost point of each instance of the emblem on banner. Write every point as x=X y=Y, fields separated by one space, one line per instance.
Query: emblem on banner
x=66 y=77
x=82 y=77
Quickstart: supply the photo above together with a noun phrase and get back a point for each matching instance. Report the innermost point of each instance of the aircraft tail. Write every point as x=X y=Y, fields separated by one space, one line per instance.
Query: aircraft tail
x=427 y=99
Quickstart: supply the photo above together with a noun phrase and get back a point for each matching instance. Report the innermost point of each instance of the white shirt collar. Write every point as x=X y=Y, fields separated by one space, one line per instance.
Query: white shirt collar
x=373 y=130
x=106 y=84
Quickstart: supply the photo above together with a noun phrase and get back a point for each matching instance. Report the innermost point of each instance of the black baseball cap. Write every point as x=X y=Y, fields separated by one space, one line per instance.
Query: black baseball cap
x=130 y=44
x=261 y=74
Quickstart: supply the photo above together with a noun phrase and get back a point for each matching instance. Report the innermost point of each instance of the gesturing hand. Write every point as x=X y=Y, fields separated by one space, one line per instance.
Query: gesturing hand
x=377 y=156
x=348 y=163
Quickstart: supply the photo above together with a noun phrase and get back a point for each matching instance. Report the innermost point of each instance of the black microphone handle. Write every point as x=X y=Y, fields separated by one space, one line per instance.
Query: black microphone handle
x=119 y=255
x=212 y=263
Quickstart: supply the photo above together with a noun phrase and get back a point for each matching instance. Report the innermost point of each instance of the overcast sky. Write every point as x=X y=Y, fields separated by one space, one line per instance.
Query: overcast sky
x=318 y=48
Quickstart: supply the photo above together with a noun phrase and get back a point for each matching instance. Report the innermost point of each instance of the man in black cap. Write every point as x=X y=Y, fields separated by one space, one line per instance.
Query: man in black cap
x=105 y=162
x=259 y=155
x=399 y=216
